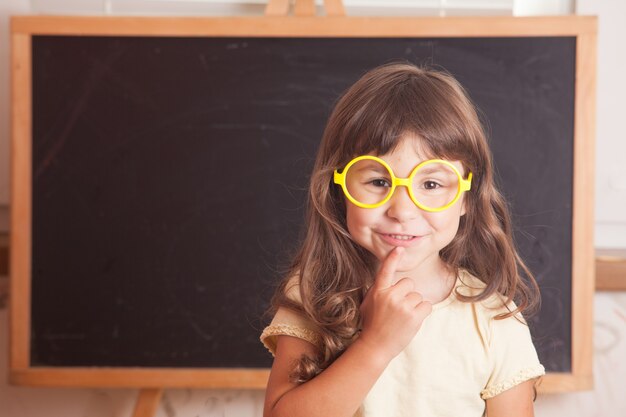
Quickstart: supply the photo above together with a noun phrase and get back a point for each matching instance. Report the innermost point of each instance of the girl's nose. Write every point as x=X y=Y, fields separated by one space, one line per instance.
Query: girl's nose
x=401 y=207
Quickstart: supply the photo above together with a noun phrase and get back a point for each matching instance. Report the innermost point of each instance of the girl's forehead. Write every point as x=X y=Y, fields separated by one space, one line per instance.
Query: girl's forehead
x=409 y=147
x=409 y=152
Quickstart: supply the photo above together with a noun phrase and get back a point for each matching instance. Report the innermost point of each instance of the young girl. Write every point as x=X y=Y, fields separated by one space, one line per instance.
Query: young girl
x=406 y=295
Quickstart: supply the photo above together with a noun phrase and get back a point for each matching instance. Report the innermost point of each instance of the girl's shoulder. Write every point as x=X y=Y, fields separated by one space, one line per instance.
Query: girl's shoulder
x=495 y=304
x=289 y=319
x=498 y=334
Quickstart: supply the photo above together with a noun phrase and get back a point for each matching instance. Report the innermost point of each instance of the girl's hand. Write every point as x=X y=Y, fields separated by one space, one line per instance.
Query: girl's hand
x=391 y=313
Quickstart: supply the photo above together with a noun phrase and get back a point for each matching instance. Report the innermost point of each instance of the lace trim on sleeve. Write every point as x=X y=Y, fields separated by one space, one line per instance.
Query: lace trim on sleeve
x=522 y=376
x=267 y=337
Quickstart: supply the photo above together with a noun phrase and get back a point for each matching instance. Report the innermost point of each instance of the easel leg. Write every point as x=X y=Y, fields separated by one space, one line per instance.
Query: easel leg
x=147 y=402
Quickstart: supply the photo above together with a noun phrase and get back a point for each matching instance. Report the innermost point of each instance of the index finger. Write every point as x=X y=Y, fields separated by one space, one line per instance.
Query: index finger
x=386 y=273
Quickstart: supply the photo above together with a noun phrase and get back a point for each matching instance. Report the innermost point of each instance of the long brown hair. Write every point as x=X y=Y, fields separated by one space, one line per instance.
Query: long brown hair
x=334 y=272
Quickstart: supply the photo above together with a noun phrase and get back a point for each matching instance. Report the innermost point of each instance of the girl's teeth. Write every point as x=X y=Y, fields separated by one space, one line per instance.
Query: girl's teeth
x=402 y=237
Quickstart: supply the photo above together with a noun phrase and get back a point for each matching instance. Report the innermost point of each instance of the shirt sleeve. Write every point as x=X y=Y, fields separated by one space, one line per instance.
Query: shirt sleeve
x=512 y=355
x=289 y=323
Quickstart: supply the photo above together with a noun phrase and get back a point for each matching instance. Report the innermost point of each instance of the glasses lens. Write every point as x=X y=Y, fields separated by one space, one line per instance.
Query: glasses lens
x=435 y=185
x=368 y=181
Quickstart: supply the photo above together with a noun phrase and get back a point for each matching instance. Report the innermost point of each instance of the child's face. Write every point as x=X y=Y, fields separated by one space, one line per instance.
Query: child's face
x=378 y=229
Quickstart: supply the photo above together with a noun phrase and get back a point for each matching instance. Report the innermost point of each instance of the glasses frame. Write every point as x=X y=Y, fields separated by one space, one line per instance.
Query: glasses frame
x=463 y=185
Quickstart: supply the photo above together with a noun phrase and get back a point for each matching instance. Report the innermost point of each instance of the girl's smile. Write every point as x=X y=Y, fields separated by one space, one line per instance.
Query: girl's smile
x=399 y=239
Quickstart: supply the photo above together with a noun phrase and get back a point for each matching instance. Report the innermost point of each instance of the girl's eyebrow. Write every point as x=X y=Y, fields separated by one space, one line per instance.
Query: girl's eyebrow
x=436 y=170
x=431 y=169
x=372 y=166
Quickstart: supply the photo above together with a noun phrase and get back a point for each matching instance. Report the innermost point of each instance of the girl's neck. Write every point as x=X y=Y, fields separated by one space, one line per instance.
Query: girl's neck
x=433 y=280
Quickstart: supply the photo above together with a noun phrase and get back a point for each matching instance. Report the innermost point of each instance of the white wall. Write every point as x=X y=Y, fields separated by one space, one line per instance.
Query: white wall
x=611 y=134
x=607 y=399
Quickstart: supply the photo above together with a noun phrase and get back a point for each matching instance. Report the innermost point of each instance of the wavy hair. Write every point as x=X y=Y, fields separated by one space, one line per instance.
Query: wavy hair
x=333 y=271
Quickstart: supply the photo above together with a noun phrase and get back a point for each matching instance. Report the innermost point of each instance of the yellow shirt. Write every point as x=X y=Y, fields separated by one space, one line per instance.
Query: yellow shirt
x=460 y=357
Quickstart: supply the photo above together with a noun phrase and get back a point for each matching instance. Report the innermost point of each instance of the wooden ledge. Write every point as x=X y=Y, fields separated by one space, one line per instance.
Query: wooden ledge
x=610 y=269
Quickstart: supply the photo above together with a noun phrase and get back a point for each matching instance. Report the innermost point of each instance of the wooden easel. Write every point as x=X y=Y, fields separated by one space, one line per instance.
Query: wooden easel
x=149 y=398
x=147 y=402
x=303 y=8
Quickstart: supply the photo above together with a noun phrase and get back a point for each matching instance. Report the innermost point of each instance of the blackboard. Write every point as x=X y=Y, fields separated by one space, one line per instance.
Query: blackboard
x=169 y=178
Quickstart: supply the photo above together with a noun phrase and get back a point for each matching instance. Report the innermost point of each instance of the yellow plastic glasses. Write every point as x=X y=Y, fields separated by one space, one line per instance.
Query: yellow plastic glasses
x=434 y=185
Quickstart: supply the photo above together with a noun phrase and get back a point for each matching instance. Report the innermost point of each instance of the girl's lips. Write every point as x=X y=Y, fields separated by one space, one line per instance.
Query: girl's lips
x=395 y=240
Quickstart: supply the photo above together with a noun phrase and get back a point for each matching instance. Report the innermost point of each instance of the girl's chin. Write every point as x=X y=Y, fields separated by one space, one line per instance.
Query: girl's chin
x=405 y=264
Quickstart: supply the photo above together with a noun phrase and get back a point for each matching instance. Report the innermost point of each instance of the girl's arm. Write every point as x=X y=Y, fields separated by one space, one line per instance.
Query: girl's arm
x=338 y=391
x=514 y=402
x=392 y=314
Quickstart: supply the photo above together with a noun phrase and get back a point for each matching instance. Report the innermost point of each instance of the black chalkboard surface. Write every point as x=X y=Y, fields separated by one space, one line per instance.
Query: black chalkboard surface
x=169 y=178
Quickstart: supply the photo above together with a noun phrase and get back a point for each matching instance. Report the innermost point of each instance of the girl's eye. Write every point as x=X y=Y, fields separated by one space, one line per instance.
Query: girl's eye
x=431 y=185
x=380 y=182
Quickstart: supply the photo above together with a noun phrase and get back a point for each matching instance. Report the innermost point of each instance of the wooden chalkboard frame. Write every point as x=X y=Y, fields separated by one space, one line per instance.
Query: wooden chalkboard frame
x=584 y=29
